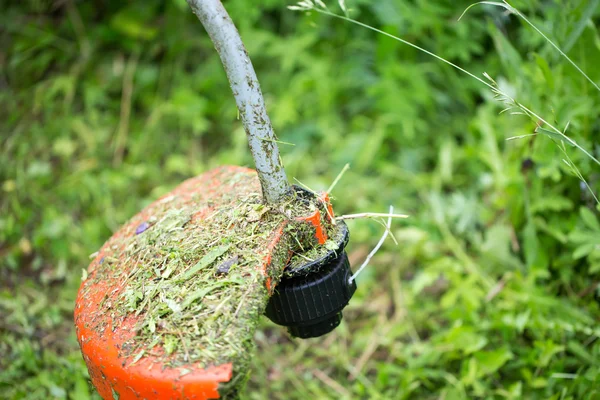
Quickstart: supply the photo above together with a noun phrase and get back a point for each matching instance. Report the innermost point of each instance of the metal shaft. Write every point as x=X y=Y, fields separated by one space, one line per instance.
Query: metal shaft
x=248 y=96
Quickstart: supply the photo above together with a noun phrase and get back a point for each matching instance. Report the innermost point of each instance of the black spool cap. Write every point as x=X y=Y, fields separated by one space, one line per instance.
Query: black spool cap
x=309 y=299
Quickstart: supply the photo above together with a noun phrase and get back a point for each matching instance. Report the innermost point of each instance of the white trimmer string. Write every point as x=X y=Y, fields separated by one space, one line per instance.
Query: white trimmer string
x=370 y=215
x=379 y=244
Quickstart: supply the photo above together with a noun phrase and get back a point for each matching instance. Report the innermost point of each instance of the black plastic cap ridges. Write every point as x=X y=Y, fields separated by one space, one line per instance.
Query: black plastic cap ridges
x=311 y=304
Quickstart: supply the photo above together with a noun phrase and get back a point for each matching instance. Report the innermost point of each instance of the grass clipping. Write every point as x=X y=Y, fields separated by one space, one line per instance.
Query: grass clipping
x=190 y=269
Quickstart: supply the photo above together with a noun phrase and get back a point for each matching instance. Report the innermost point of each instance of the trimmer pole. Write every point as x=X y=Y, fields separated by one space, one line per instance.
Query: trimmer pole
x=248 y=96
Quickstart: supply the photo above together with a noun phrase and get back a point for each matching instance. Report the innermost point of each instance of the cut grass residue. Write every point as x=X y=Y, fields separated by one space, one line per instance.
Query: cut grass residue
x=301 y=257
x=192 y=272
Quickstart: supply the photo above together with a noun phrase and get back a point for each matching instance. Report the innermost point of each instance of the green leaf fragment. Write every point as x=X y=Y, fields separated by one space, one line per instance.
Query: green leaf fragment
x=170 y=344
x=173 y=305
x=331 y=245
x=200 y=293
x=137 y=357
x=205 y=261
x=167 y=273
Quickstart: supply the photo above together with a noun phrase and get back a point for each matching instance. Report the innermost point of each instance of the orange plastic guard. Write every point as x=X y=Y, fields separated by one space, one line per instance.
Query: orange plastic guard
x=105 y=333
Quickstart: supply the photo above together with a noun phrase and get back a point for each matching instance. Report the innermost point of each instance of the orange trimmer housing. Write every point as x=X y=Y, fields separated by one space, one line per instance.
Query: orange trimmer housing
x=102 y=335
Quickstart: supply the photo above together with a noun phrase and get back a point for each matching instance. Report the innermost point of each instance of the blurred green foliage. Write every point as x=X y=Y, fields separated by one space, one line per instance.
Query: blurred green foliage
x=106 y=105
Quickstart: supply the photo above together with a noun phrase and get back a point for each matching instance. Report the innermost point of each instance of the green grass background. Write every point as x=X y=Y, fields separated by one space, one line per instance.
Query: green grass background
x=491 y=292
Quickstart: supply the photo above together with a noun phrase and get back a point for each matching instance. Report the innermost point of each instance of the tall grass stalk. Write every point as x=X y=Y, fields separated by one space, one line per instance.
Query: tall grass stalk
x=504 y=4
x=512 y=105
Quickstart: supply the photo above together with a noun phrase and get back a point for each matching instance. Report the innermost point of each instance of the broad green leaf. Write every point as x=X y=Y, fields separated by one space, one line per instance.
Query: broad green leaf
x=489 y=362
x=134 y=22
x=466 y=339
x=81 y=391
x=581 y=352
x=594 y=268
x=554 y=231
x=583 y=250
x=548 y=349
x=585 y=237
x=551 y=203
x=576 y=30
x=424 y=279
x=589 y=218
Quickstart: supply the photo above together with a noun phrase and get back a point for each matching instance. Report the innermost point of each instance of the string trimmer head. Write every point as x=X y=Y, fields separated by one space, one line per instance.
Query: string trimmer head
x=172 y=300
